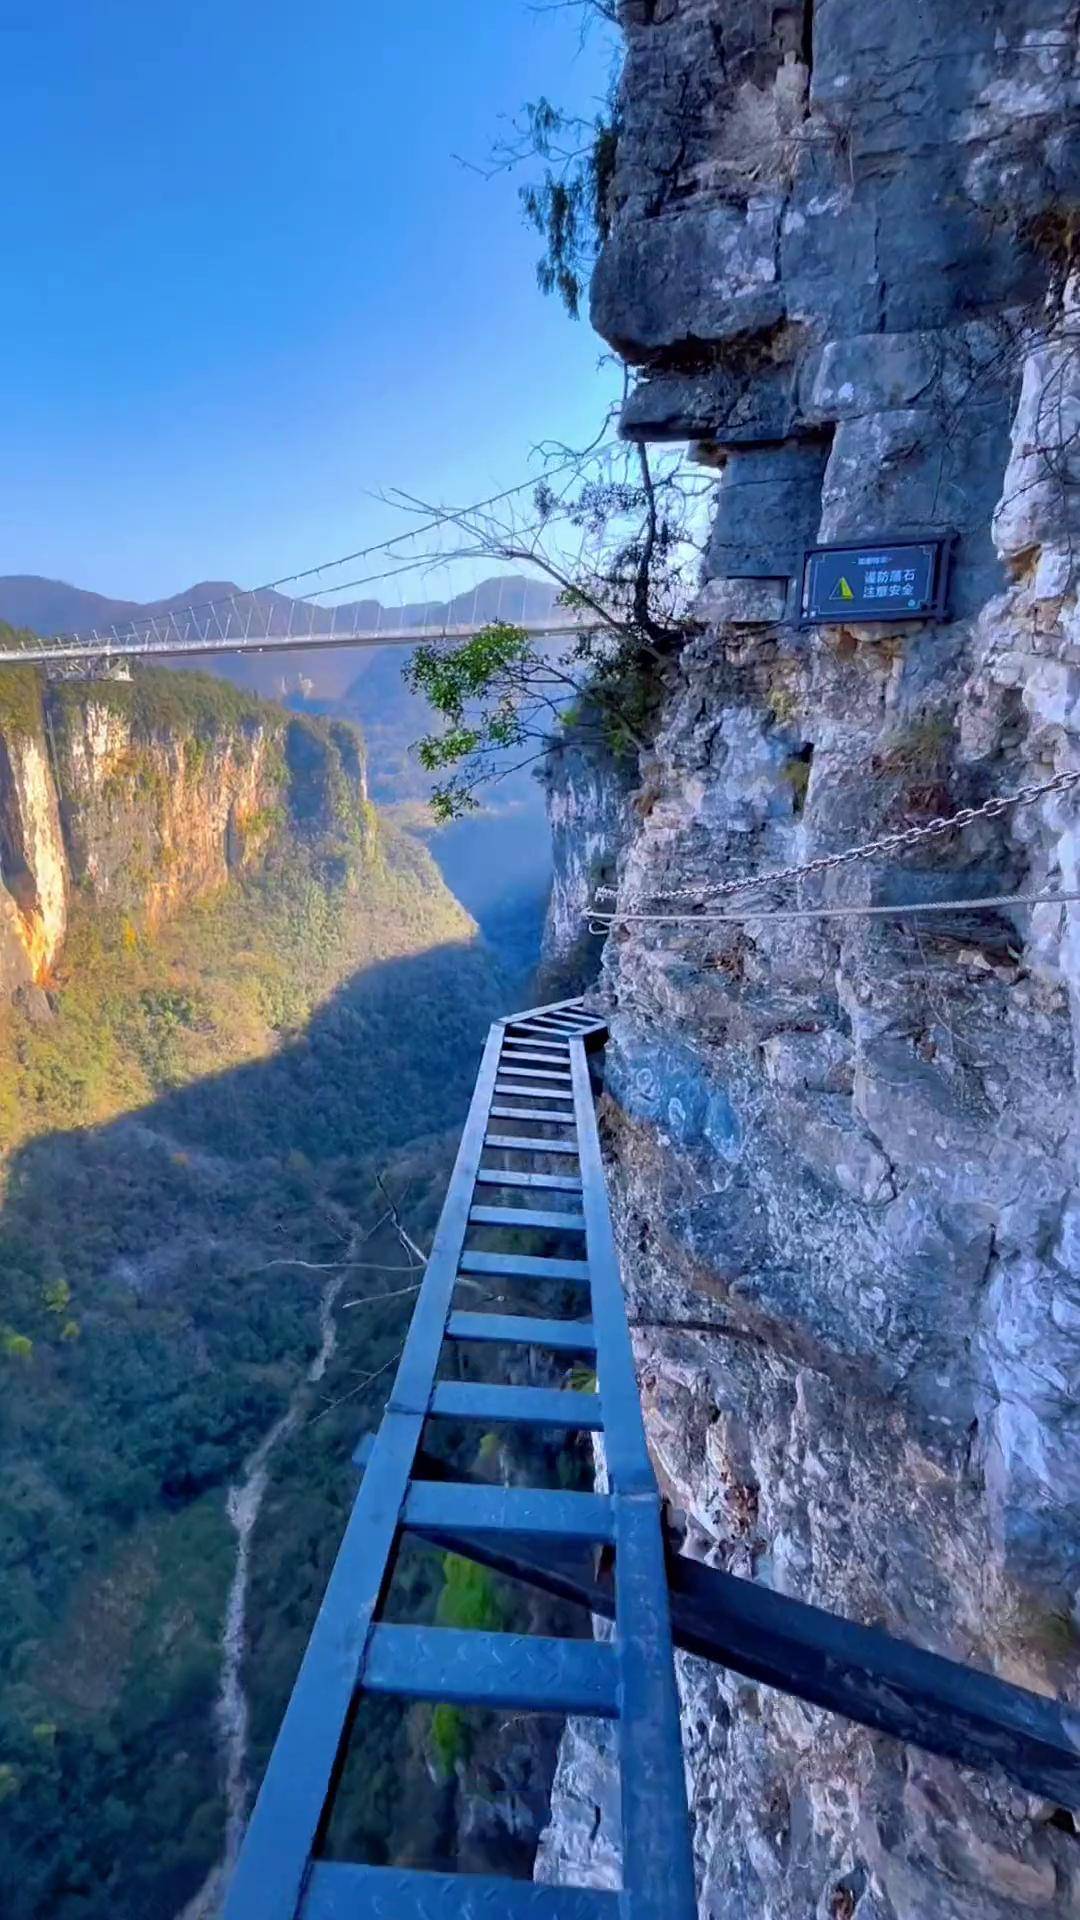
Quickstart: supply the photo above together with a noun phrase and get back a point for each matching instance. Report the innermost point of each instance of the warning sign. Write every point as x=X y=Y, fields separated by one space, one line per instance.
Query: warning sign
x=886 y=581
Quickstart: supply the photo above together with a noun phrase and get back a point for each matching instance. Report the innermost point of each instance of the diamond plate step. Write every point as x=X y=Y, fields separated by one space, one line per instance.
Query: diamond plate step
x=338 y=1891
x=439 y=1505
x=523 y=1051
x=509 y=1064
x=500 y=1177
x=562 y=1100
x=526 y=1143
x=527 y=1217
x=517 y=1670
x=518 y=1406
x=524 y=1266
x=507 y=1329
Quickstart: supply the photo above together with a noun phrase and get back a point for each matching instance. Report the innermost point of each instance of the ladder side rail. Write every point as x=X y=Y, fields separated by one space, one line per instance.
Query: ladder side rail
x=658 y=1865
x=301 y=1776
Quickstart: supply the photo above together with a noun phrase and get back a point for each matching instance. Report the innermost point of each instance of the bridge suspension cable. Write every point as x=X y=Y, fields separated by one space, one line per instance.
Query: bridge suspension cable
x=247 y=621
x=178 y=634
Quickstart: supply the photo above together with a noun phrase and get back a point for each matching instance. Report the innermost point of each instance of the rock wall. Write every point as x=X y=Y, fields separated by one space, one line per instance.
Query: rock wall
x=844 y=1153
x=587 y=792
x=146 y=796
x=33 y=861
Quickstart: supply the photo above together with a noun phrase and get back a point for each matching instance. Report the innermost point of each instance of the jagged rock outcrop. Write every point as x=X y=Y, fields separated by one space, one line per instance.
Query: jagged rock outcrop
x=843 y=253
x=147 y=795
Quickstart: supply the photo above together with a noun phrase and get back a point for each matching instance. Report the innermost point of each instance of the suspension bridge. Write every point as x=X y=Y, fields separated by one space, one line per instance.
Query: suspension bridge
x=270 y=623
x=530 y=1145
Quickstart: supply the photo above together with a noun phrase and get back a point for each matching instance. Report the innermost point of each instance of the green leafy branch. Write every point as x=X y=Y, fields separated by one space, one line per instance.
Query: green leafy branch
x=616 y=541
x=569 y=201
x=568 y=205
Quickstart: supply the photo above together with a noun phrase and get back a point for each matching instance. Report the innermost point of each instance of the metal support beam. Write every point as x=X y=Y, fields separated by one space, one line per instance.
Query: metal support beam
x=865 y=1675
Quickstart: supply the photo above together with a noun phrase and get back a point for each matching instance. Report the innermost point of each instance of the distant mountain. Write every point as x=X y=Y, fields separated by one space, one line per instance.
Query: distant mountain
x=51 y=606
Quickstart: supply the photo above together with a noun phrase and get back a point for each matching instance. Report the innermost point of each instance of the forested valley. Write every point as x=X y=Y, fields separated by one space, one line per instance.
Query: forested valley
x=206 y=1111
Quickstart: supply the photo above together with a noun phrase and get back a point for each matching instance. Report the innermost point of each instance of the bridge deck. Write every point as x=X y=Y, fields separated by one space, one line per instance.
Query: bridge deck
x=629 y=1678
x=167 y=637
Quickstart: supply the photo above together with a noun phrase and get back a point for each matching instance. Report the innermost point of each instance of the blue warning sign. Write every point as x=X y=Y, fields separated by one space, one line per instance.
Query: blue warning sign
x=885 y=580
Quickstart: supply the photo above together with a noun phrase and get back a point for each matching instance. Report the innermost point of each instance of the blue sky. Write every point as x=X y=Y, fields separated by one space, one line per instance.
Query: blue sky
x=247 y=283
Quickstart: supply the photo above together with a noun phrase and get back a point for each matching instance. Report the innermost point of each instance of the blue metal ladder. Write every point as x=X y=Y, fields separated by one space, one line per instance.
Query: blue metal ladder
x=534 y=1070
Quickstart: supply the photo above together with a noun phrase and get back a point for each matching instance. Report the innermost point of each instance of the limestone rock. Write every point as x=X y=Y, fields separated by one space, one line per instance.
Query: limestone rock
x=150 y=799
x=742 y=603
x=845 y=1153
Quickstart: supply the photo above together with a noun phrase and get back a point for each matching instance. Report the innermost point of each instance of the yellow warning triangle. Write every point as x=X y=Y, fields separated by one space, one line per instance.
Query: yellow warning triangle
x=842 y=591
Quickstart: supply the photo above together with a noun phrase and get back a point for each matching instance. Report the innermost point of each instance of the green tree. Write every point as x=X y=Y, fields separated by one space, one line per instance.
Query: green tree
x=468 y=1599
x=571 y=159
x=568 y=204
x=56 y=1295
x=619 y=544
x=449 y=1739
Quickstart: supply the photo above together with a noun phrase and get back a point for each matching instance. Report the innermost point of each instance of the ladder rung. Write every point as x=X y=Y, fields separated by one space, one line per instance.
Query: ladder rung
x=526 y=1217
x=516 y=1092
x=518 y=1406
x=523 y=1089
x=522 y=1063
x=337 y=1890
x=522 y=1670
x=541 y=1013
x=532 y=1113
x=524 y=1266
x=509 y=1329
x=443 y=1507
x=534 y=1073
x=526 y=1144
x=499 y=1177
x=545 y=1032
x=557 y=1043
x=520 y=1050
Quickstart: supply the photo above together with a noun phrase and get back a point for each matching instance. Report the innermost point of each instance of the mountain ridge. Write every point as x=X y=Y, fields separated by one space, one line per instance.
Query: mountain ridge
x=48 y=606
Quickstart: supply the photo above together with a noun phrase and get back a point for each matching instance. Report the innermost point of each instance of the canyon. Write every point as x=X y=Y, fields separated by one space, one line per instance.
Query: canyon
x=224 y=976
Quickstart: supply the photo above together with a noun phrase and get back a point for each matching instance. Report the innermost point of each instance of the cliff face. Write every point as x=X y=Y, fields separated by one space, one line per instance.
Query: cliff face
x=146 y=796
x=33 y=861
x=844 y=1152
x=586 y=792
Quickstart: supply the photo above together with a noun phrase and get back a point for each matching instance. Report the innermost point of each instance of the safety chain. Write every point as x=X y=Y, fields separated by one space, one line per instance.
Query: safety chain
x=889 y=843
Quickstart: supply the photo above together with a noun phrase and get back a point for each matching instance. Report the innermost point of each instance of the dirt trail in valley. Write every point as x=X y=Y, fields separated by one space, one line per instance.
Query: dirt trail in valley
x=243 y=1503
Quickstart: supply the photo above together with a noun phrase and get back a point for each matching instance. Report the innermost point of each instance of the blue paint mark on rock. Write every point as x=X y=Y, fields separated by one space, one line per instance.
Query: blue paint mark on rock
x=722 y=1129
x=668 y=1087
